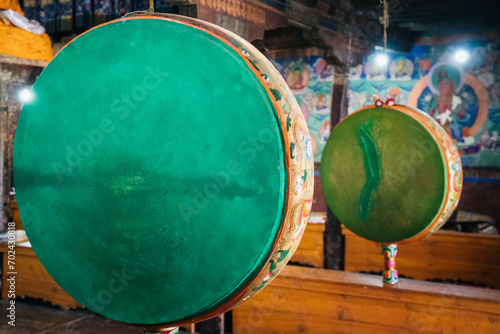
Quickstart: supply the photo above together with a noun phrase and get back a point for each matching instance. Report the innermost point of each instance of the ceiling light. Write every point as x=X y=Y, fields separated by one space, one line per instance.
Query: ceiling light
x=462 y=56
x=26 y=95
x=382 y=59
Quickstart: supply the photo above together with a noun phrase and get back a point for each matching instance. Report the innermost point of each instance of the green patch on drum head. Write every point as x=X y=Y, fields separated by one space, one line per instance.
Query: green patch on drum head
x=384 y=175
x=150 y=171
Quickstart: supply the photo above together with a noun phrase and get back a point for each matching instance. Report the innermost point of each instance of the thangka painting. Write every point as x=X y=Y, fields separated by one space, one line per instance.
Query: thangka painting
x=463 y=97
x=310 y=79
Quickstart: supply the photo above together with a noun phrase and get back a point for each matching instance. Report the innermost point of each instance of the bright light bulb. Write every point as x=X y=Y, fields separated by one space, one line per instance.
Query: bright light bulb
x=462 y=56
x=26 y=95
x=382 y=59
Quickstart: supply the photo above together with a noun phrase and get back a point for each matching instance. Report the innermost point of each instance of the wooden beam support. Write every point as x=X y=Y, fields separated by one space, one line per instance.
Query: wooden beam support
x=334 y=249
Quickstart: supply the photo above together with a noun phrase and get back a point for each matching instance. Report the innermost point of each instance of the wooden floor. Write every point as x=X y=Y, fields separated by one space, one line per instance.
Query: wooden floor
x=33 y=317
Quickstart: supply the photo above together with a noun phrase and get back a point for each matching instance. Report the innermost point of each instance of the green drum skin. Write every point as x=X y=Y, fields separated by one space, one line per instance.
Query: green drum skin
x=153 y=170
x=391 y=174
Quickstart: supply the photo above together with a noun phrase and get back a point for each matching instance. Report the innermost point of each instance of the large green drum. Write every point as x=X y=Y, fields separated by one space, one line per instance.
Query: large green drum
x=391 y=174
x=164 y=170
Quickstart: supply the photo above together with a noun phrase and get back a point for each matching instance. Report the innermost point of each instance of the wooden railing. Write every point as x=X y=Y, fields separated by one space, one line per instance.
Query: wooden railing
x=445 y=255
x=32 y=280
x=311 y=249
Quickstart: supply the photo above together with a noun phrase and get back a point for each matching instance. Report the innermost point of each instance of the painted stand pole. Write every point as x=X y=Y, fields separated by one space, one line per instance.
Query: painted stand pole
x=390 y=273
x=169 y=330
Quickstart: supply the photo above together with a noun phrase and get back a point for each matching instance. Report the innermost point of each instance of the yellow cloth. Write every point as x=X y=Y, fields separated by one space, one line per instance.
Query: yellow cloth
x=11 y=4
x=18 y=42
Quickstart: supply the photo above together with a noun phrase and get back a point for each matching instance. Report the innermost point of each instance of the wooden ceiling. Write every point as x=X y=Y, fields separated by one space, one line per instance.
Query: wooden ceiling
x=412 y=19
x=432 y=17
x=409 y=20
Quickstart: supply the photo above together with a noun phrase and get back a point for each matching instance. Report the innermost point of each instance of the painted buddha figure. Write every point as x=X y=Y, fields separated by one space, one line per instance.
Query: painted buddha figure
x=445 y=109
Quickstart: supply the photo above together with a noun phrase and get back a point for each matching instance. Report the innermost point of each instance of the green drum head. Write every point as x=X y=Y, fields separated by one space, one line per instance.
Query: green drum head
x=384 y=175
x=150 y=171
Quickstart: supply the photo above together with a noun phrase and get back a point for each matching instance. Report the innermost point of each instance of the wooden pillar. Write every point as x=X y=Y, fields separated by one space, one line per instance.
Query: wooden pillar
x=334 y=246
x=15 y=73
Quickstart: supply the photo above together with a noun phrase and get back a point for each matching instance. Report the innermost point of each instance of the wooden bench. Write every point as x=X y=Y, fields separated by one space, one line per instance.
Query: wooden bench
x=311 y=247
x=444 y=255
x=16 y=217
x=309 y=300
x=468 y=257
x=32 y=280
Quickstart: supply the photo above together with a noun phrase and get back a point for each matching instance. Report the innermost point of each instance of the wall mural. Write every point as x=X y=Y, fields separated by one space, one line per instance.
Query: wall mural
x=463 y=97
x=311 y=80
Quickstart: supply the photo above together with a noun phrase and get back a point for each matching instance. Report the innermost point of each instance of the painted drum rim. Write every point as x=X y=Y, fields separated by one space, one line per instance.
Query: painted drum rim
x=287 y=108
x=451 y=155
x=447 y=156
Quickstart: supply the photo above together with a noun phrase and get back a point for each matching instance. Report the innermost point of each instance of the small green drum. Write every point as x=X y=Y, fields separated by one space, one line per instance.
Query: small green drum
x=164 y=170
x=391 y=174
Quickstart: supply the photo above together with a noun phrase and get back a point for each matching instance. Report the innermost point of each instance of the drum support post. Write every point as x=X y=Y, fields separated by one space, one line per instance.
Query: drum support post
x=390 y=273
